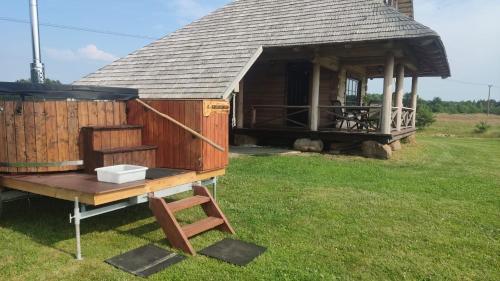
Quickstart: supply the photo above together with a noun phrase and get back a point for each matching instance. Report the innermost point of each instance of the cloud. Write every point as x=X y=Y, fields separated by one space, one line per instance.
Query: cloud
x=89 y=52
x=93 y=53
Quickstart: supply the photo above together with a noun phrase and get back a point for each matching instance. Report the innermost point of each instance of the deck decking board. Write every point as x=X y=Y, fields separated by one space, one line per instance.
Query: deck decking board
x=68 y=185
x=326 y=135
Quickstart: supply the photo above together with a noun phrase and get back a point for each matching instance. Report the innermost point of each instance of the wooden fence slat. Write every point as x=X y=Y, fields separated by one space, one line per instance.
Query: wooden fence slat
x=41 y=135
x=11 y=134
x=3 y=137
x=92 y=110
x=101 y=113
x=30 y=133
x=116 y=113
x=83 y=121
x=62 y=130
x=110 y=117
x=123 y=113
x=73 y=133
x=51 y=126
x=20 y=135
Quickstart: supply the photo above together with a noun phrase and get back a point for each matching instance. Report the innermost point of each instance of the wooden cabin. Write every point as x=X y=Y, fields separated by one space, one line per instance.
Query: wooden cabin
x=293 y=69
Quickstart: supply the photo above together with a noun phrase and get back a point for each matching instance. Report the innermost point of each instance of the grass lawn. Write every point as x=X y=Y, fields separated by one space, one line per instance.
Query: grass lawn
x=463 y=125
x=430 y=213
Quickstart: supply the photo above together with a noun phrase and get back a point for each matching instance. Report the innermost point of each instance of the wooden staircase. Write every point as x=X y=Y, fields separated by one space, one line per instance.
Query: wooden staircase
x=115 y=145
x=178 y=235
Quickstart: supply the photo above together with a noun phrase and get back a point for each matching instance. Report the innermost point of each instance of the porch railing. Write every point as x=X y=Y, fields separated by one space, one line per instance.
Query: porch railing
x=407 y=115
x=339 y=118
x=394 y=115
x=350 y=118
x=287 y=116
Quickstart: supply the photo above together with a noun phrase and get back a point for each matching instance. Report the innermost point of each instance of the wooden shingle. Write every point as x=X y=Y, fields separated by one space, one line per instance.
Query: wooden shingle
x=207 y=57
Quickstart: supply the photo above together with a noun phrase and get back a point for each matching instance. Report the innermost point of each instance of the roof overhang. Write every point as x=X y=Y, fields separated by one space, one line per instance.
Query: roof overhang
x=423 y=56
x=242 y=73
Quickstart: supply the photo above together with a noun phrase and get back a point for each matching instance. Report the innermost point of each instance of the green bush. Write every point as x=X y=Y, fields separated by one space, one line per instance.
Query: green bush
x=48 y=81
x=482 y=127
x=425 y=117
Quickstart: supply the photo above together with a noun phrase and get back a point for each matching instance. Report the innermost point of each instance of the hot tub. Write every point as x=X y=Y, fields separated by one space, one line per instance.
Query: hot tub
x=40 y=125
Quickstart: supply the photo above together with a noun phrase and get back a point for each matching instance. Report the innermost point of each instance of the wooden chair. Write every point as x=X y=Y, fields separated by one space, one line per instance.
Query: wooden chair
x=339 y=115
x=372 y=117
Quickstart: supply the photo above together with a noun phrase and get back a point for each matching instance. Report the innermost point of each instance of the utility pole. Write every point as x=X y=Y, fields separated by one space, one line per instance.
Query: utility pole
x=489 y=98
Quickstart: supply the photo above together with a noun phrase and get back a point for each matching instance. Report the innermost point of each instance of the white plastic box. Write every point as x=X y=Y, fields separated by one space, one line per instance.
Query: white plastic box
x=121 y=173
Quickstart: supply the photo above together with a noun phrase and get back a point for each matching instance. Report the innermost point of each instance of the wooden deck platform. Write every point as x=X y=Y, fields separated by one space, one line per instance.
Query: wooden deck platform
x=67 y=186
x=325 y=134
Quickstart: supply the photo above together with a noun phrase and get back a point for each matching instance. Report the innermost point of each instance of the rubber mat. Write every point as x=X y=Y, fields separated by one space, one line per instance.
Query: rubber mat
x=146 y=260
x=233 y=251
x=157 y=173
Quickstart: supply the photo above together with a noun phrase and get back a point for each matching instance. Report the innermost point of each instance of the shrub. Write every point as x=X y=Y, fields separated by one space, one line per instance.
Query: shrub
x=482 y=127
x=48 y=81
x=425 y=117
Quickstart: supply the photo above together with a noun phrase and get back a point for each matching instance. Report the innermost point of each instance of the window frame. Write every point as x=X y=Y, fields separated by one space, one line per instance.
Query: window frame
x=352 y=89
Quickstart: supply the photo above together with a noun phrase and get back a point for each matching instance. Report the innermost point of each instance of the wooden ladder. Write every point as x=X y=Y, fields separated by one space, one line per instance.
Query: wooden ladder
x=178 y=235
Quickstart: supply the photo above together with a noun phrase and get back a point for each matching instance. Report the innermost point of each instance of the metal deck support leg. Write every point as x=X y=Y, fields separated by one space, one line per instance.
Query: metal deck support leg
x=214 y=191
x=76 y=216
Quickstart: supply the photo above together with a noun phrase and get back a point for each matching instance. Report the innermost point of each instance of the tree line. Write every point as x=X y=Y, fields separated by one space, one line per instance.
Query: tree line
x=437 y=105
x=427 y=108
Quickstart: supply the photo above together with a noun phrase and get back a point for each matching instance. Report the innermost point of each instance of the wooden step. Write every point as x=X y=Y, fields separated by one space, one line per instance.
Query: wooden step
x=114 y=127
x=126 y=149
x=200 y=226
x=143 y=155
x=178 y=235
x=186 y=203
x=105 y=137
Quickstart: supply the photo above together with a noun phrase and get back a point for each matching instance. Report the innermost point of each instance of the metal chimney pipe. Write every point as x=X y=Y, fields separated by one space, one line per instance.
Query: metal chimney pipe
x=37 y=68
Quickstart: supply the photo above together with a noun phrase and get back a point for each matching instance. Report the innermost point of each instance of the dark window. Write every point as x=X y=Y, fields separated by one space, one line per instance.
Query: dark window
x=353 y=92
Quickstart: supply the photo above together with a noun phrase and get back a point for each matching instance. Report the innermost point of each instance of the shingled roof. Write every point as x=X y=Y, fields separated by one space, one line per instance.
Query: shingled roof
x=208 y=57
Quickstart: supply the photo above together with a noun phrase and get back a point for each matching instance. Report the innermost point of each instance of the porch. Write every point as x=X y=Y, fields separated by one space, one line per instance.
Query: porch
x=321 y=93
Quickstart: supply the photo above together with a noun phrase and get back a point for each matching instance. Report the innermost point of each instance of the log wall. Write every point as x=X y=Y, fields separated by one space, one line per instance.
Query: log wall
x=328 y=89
x=265 y=84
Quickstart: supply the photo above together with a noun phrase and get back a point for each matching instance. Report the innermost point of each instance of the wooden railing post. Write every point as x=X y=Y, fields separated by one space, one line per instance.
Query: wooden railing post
x=414 y=98
x=385 y=127
x=254 y=117
x=240 y=120
x=399 y=95
x=314 y=110
x=342 y=85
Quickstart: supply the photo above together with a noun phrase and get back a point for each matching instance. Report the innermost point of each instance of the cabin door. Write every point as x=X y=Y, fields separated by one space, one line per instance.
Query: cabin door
x=298 y=87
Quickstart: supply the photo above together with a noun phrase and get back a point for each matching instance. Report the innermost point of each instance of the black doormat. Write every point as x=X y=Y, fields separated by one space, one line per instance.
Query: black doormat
x=158 y=173
x=146 y=260
x=233 y=251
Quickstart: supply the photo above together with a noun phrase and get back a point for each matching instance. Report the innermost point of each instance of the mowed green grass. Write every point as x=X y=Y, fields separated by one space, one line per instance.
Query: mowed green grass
x=464 y=125
x=430 y=213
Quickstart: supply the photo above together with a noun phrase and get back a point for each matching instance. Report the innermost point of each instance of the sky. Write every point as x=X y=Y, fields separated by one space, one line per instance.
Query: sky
x=470 y=30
